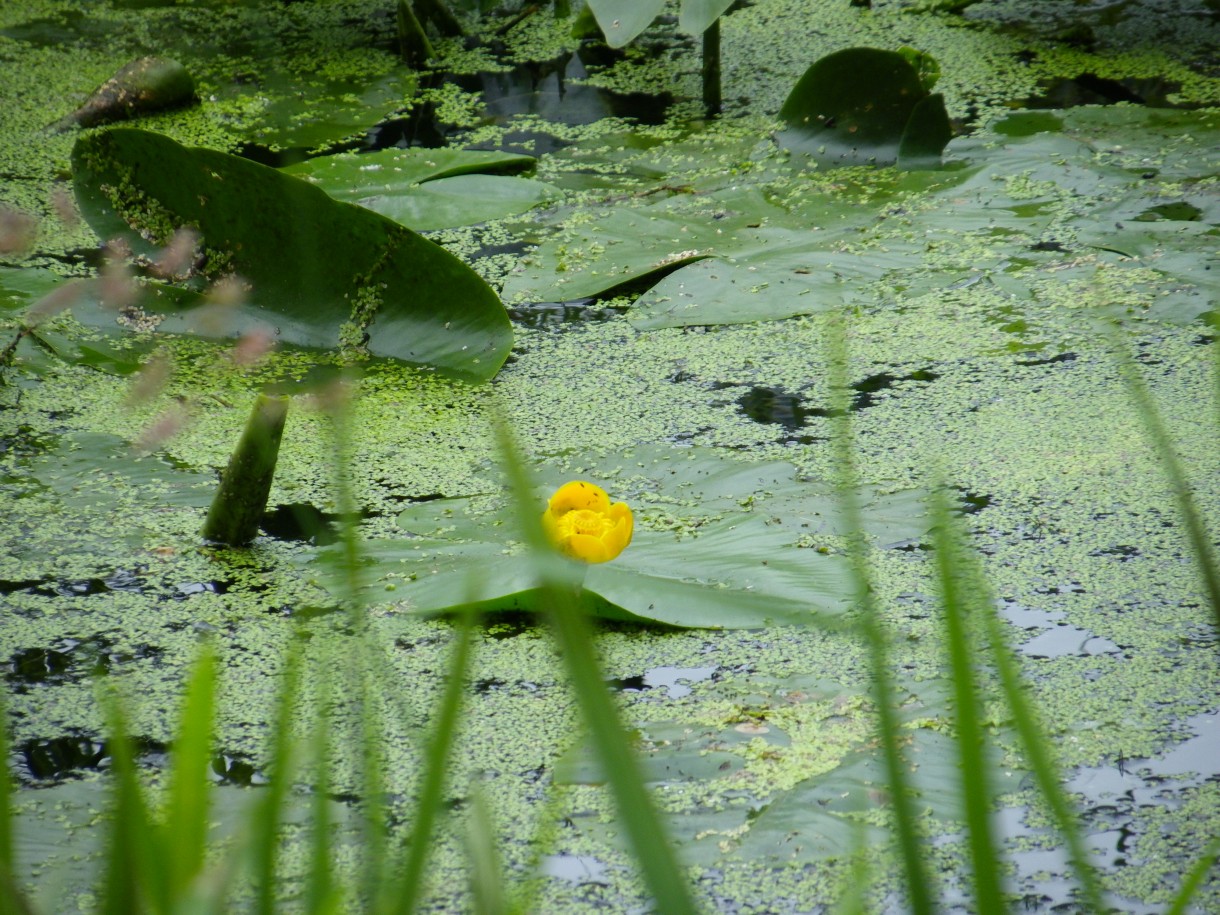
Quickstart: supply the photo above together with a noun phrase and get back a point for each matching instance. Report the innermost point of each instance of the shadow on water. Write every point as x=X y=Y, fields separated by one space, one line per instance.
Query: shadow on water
x=67 y=661
x=1091 y=89
x=792 y=412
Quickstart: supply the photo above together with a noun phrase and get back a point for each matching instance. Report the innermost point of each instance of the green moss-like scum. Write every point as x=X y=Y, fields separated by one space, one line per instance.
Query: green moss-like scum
x=1018 y=405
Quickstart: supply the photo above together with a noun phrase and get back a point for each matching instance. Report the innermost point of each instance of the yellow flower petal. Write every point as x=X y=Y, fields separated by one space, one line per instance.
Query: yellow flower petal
x=582 y=523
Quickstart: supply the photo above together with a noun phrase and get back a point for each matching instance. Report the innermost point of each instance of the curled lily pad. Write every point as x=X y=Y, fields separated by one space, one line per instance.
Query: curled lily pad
x=862 y=106
x=142 y=86
x=313 y=265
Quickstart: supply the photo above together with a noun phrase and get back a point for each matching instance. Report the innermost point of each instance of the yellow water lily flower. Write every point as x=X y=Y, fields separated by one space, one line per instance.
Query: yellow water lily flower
x=581 y=522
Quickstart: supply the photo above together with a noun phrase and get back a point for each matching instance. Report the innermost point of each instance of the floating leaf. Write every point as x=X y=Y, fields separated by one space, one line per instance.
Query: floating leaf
x=353 y=176
x=623 y=20
x=286 y=109
x=863 y=106
x=427 y=189
x=462 y=201
x=588 y=257
x=313 y=264
x=721 y=551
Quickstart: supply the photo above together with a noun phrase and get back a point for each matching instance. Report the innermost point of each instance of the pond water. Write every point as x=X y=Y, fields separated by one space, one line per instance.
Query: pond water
x=670 y=282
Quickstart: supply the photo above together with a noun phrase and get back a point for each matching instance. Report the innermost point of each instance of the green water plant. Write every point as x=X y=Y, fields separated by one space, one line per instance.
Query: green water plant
x=717 y=543
x=867 y=106
x=621 y=21
x=142 y=86
x=655 y=854
x=1183 y=492
x=313 y=271
x=241 y=498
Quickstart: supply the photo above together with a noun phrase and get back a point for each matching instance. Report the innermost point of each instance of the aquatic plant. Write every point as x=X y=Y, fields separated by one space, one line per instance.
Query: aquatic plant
x=865 y=106
x=581 y=522
x=315 y=272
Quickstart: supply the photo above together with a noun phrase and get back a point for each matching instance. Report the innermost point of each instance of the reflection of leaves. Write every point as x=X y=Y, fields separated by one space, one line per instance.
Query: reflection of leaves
x=726 y=559
x=314 y=264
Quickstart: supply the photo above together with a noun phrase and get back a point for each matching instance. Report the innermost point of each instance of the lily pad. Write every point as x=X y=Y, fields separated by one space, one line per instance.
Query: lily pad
x=696 y=16
x=590 y=256
x=865 y=106
x=306 y=111
x=715 y=546
x=313 y=264
x=427 y=189
x=354 y=176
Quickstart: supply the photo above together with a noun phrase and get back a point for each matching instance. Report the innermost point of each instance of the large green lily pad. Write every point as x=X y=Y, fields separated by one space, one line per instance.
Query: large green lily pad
x=313 y=264
x=755 y=251
x=716 y=545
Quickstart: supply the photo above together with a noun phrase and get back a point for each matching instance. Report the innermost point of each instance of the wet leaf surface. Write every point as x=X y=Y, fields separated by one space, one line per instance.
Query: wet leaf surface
x=312 y=264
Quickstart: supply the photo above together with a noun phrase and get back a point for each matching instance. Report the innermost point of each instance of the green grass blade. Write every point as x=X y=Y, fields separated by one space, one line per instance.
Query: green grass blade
x=910 y=842
x=646 y=834
x=374 y=818
x=185 y=830
x=1194 y=879
x=956 y=590
x=411 y=885
x=136 y=870
x=269 y=814
x=487 y=878
x=527 y=892
x=853 y=899
x=1037 y=749
x=320 y=888
x=12 y=900
x=6 y=809
x=1158 y=436
x=362 y=667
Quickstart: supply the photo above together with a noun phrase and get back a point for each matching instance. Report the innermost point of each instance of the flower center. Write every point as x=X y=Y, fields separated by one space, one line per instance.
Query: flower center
x=584 y=521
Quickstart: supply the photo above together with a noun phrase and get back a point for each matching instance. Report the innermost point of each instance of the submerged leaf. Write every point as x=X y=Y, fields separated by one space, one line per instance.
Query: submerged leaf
x=313 y=264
